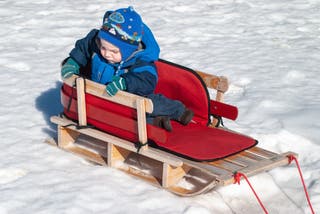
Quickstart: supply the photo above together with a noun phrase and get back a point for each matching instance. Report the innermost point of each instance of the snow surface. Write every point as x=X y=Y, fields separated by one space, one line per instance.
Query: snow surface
x=269 y=50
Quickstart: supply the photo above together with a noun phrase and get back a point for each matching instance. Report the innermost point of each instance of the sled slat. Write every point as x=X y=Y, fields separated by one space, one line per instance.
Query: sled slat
x=239 y=160
x=81 y=101
x=245 y=158
x=215 y=171
x=251 y=156
x=142 y=126
x=262 y=152
x=226 y=165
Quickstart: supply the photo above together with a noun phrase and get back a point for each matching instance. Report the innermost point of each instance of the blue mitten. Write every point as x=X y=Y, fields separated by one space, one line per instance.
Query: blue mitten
x=69 y=68
x=118 y=83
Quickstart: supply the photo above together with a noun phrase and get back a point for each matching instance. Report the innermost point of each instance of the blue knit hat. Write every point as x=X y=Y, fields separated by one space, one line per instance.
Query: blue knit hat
x=123 y=28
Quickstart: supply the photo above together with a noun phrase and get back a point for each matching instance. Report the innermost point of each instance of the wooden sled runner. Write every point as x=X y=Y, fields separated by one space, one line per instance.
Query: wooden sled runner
x=119 y=138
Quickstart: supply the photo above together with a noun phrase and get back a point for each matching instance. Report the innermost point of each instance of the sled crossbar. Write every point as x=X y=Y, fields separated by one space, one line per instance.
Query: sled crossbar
x=123 y=98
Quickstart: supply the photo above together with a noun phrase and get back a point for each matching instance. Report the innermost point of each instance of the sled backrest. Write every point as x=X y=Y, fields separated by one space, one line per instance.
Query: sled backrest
x=184 y=84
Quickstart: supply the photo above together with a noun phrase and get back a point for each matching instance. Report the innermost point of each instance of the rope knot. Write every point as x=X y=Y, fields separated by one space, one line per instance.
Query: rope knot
x=291 y=158
x=237 y=177
x=139 y=145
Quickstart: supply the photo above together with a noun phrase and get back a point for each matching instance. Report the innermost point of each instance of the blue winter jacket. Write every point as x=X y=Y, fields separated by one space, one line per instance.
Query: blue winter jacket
x=138 y=71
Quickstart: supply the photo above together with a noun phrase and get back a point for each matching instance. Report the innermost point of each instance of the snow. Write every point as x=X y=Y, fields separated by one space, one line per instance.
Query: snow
x=269 y=50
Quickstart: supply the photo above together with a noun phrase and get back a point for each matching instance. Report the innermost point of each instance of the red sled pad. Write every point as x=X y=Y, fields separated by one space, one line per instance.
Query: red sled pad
x=202 y=143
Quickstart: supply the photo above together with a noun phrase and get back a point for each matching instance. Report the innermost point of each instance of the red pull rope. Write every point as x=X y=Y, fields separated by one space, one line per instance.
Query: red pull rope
x=237 y=177
x=291 y=158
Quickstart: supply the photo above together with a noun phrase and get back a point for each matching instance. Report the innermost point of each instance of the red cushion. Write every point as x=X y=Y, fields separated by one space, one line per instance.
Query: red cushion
x=181 y=83
x=203 y=143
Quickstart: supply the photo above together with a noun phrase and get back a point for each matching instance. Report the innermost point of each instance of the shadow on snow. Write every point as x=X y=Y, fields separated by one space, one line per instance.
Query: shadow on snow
x=49 y=104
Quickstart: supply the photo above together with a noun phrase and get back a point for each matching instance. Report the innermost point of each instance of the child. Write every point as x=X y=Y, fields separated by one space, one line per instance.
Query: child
x=121 y=55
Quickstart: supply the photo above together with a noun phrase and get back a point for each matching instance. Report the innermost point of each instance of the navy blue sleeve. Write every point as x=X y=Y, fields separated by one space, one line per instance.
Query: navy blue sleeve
x=141 y=81
x=84 y=48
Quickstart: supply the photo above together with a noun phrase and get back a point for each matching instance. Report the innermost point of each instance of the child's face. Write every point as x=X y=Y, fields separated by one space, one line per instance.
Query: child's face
x=110 y=52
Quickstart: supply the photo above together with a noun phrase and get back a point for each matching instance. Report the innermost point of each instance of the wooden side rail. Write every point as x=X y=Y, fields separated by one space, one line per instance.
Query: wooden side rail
x=122 y=97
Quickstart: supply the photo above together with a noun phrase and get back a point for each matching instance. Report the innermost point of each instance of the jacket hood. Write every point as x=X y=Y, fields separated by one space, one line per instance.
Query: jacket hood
x=150 y=51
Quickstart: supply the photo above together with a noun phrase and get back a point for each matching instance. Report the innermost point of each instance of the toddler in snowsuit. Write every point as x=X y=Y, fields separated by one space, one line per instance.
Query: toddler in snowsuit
x=121 y=55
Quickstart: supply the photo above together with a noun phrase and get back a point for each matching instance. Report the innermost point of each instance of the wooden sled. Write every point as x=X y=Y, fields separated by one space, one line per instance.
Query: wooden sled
x=177 y=174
